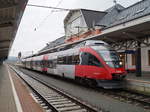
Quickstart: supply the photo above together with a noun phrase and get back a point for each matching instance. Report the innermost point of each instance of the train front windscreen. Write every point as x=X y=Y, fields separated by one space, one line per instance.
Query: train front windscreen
x=111 y=58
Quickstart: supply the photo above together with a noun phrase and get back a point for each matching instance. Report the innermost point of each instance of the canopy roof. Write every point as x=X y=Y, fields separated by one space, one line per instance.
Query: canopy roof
x=11 y=12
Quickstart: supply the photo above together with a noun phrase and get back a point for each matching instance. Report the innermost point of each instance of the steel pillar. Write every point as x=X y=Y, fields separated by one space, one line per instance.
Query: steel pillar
x=138 y=60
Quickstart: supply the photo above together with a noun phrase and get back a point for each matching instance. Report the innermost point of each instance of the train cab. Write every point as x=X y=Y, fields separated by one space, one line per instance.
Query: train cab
x=100 y=62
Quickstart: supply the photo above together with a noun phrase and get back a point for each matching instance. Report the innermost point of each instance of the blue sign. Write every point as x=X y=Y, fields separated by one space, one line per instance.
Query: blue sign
x=129 y=51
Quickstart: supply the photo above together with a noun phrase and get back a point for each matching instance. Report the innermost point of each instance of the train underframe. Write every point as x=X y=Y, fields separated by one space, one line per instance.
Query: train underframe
x=107 y=84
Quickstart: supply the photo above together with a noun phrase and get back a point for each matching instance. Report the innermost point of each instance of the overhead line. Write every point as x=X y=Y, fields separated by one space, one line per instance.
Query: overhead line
x=49 y=7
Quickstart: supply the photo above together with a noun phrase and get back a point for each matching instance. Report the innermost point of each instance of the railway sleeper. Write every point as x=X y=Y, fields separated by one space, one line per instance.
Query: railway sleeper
x=80 y=110
x=69 y=108
x=62 y=102
x=65 y=105
x=58 y=100
x=53 y=98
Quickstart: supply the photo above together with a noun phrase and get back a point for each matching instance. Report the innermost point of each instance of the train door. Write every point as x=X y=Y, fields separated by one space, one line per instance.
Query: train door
x=83 y=57
x=45 y=63
x=31 y=63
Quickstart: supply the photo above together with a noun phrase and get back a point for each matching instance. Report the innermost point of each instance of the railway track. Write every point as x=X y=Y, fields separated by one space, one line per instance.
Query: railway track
x=132 y=98
x=126 y=96
x=52 y=99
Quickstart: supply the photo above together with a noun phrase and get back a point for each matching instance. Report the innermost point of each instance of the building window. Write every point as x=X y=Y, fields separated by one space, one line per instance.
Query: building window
x=133 y=59
x=149 y=57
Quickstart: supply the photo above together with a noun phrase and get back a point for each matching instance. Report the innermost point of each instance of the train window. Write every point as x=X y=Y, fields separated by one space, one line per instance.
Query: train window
x=54 y=63
x=89 y=59
x=40 y=63
x=36 y=62
x=47 y=63
x=94 y=61
x=26 y=63
x=60 y=60
x=69 y=60
x=75 y=59
x=65 y=61
x=84 y=58
x=32 y=63
x=44 y=63
x=50 y=64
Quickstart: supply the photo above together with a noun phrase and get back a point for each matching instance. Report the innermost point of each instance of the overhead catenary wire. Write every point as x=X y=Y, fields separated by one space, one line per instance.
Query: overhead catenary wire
x=56 y=9
x=49 y=7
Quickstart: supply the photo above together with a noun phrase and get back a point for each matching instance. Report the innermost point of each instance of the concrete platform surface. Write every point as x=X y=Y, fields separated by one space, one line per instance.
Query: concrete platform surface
x=139 y=84
x=144 y=77
x=14 y=94
x=7 y=102
x=24 y=94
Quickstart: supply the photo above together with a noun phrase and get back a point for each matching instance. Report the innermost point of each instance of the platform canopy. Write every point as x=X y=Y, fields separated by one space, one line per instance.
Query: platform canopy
x=11 y=12
x=127 y=35
x=123 y=36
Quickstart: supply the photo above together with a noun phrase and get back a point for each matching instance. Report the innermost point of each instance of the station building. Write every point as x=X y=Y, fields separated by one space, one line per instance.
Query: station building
x=125 y=29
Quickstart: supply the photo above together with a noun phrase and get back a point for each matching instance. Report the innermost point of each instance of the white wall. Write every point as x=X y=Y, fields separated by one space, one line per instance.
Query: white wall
x=129 y=62
x=144 y=59
x=75 y=20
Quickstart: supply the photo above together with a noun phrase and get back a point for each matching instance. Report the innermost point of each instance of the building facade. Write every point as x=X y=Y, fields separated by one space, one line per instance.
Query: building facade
x=130 y=60
x=81 y=23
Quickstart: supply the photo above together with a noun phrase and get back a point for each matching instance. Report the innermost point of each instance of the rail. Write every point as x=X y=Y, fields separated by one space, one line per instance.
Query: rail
x=53 y=99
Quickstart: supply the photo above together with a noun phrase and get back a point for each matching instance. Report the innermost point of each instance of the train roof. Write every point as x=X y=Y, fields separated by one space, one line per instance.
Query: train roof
x=70 y=46
x=94 y=44
x=75 y=50
x=91 y=43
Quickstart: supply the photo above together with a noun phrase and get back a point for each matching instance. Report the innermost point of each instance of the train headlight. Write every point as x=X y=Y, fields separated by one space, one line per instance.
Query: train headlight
x=120 y=63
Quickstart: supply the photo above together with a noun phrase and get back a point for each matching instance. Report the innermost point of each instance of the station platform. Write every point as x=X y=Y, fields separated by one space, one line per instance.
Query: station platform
x=139 y=84
x=14 y=95
x=7 y=101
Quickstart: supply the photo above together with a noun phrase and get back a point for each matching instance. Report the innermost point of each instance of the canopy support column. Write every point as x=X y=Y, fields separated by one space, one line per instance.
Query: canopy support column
x=138 y=60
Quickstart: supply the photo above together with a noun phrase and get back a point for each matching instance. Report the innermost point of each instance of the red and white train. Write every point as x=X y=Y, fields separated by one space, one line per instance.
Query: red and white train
x=90 y=62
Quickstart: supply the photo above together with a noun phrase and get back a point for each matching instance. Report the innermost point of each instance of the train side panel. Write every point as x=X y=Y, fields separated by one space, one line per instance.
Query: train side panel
x=66 y=71
x=92 y=72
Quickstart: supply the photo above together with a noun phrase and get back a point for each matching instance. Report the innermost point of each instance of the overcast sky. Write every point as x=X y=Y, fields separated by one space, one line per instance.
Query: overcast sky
x=49 y=26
